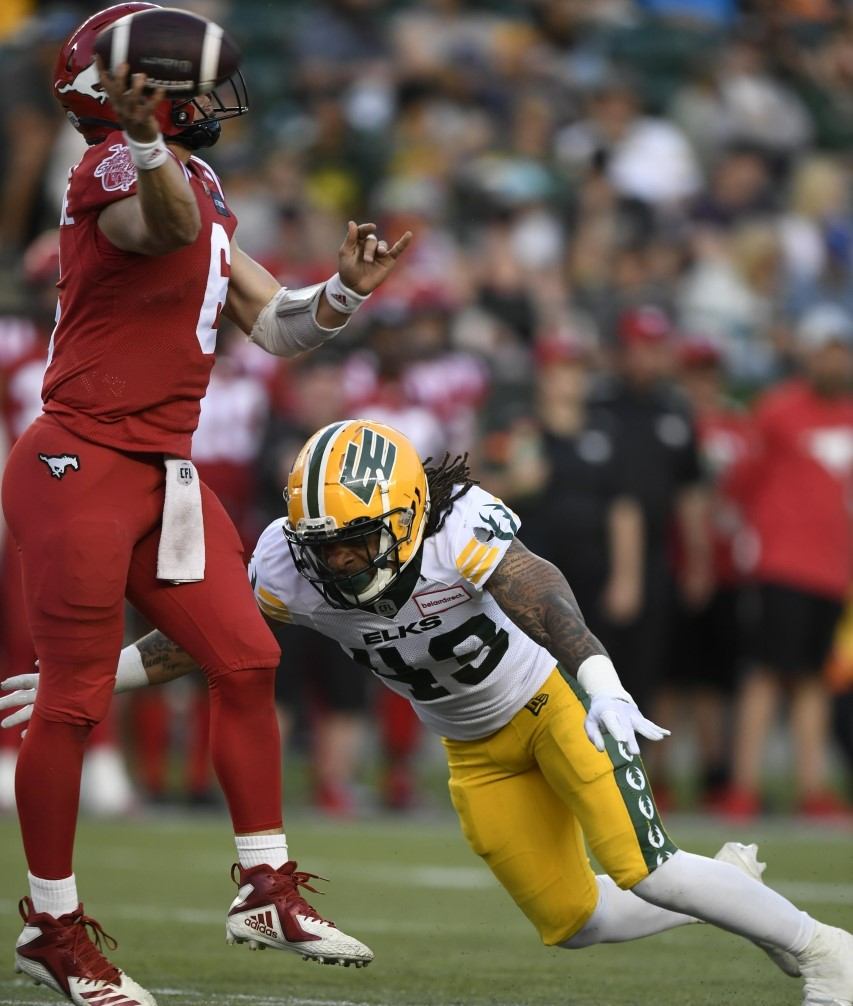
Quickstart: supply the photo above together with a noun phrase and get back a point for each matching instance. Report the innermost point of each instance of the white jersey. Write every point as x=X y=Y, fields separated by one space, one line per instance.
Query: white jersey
x=449 y=648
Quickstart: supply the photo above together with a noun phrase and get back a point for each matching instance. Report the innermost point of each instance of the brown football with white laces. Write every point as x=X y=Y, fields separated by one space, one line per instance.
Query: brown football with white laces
x=183 y=53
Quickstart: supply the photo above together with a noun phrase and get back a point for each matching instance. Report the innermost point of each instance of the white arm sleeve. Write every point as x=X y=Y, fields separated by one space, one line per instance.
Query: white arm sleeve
x=287 y=326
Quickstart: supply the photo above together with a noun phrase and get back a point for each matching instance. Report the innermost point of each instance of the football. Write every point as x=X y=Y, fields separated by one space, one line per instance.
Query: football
x=183 y=53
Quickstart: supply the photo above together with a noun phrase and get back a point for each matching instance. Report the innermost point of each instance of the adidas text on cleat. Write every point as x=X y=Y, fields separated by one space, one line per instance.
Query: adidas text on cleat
x=60 y=953
x=745 y=858
x=827 y=967
x=269 y=911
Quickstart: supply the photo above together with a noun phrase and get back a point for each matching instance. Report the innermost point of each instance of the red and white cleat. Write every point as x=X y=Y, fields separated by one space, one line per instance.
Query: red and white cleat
x=60 y=953
x=269 y=911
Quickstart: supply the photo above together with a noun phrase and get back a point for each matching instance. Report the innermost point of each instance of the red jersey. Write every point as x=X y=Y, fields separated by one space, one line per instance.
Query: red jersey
x=797 y=489
x=724 y=439
x=134 y=342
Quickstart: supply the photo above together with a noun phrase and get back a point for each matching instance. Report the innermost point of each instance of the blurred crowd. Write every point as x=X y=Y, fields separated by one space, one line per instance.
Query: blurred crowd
x=629 y=301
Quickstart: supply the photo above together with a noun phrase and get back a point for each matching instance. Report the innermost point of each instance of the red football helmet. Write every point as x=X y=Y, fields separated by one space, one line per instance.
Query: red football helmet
x=78 y=88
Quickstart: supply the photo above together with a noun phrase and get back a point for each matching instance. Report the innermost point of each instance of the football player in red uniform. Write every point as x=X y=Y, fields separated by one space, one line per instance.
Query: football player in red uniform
x=104 y=503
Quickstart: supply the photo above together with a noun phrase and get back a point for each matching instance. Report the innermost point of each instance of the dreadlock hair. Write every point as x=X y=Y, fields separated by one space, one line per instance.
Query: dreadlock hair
x=441 y=480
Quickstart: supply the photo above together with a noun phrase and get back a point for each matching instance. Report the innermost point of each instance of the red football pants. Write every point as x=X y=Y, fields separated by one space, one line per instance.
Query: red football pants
x=87 y=540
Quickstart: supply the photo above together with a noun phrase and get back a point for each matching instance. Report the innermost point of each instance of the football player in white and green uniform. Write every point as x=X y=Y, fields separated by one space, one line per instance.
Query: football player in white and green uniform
x=419 y=576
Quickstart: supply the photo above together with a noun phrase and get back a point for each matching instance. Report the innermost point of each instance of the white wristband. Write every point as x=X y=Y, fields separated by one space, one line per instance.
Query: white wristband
x=147 y=156
x=130 y=672
x=597 y=676
x=341 y=298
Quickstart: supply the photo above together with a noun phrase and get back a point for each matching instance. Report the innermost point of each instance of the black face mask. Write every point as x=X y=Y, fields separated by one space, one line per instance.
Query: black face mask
x=230 y=100
x=199 y=135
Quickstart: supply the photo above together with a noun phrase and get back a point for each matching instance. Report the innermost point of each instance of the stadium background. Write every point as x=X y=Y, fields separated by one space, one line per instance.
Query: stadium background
x=582 y=179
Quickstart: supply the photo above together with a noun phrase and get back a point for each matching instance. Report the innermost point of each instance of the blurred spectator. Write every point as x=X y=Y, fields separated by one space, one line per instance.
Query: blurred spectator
x=341 y=164
x=303 y=234
x=411 y=377
x=733 y=293
x=818 y=224
x=227 y=443
x=30 y=120
x=708 y=639
x=759 y=109
x=796 y=492
x=645 y=158
x=375 y=383
x=337 y=41
x=740 y=187
x=656 y=439
x=817 y=237
x=822 y=74
x=563 y=473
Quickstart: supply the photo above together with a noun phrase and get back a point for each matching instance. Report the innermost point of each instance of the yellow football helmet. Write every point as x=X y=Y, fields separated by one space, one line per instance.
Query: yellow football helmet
x=361 y=484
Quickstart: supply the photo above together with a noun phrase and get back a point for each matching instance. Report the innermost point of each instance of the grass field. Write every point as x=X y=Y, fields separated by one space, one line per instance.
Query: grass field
x=443 y=932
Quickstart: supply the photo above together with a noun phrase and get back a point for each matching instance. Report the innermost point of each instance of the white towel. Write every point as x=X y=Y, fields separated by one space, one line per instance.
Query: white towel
x=180 y=557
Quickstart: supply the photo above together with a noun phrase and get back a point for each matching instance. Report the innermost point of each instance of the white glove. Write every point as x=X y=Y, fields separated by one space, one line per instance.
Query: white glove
x=620 y=717
x=611 y=708
x=25 y=696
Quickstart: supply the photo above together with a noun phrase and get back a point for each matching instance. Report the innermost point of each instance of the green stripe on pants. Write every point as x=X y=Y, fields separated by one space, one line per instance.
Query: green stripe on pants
x=633 y=782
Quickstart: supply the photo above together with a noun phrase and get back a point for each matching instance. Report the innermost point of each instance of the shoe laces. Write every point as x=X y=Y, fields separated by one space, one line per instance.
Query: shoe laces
x=85 y=949
x=285 y=883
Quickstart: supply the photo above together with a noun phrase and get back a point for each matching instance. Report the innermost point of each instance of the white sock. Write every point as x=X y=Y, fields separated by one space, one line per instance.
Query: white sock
x=261 y=850
x=721 y=894
x=621 y=915
x=56 y=897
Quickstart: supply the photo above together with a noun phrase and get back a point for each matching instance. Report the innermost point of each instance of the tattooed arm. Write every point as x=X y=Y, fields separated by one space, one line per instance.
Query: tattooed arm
x=162 y=659
x=538 y=598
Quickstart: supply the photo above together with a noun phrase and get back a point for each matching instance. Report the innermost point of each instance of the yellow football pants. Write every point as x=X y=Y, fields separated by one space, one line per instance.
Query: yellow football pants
x=528 y=795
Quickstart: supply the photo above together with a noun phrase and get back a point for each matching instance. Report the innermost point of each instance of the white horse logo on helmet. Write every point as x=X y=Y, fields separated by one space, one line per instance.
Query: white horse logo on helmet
x=86 y=82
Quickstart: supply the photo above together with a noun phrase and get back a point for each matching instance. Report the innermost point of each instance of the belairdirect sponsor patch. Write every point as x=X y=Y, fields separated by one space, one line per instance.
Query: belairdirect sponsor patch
x=441 y=599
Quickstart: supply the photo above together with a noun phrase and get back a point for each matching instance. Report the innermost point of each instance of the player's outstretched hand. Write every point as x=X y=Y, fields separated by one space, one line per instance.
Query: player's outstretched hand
x=26 y=686
x=134 y=104
x=621 y=718
x=364 y=259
